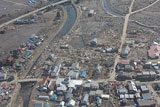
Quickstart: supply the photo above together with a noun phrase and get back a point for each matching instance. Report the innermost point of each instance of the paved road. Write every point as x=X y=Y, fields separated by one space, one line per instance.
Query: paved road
x=30 y=13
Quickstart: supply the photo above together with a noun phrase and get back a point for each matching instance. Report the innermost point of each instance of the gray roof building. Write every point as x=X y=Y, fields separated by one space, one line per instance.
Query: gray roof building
x=71 y=103
x=128 y=68
x=55 y=69
x=38 y=104
x=147 y=96
x=122 y=91
x=92 y=93
x=99 y=92
x=146 y=103
x=125 y=52
x=3 y=76
x=85 y=99
x=144 y=89
x=94 y=85
x=73 y=74
x=75 y=66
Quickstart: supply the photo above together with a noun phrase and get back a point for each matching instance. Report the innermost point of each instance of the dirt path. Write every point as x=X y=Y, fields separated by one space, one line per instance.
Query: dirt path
x=112 y=75
x=145 y=7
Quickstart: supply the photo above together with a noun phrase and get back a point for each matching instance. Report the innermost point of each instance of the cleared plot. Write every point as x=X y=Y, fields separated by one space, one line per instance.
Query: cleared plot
x=138 y=4
x=120 y=6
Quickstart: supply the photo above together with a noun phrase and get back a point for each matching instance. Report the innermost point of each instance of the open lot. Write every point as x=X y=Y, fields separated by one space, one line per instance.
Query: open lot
x=10 y=9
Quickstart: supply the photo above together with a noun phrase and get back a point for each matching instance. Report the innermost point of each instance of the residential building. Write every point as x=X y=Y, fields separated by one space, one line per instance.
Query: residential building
x=55 y=69
x=154 y=51
x=85 y=99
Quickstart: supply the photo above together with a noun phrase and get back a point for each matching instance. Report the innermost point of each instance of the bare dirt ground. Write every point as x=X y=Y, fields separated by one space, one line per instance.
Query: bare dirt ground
x=120 y=6
x=138 y=4
x=13 y=38
x=10 y=9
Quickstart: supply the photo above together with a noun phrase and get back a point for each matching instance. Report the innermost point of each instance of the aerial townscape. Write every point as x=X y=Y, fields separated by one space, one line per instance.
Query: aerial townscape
x=79 y=53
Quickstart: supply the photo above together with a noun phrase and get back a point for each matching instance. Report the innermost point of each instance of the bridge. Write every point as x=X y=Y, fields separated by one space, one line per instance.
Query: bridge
x=32 y=12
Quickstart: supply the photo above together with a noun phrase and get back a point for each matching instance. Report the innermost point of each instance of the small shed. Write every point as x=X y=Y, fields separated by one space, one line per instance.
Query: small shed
x=93 y=42
x=91 y=13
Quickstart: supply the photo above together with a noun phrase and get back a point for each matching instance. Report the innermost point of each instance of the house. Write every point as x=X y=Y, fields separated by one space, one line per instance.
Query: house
x=122 y=91
x=71 y=103
x=94 y=85
x=146 y=76
x=128 y=68
x=126 y=96
x=68 y=95
x=43 y=97
x=64 y=46
x=54 y=71
x=92 y=95
x=124 y=62
x=73 y=74
x=125 y=52
x=105 y=96
x=41 y=104
x=137 y=96
x=144 y=89
x=132 y=89
x=38 y=104
x=158 y=86
x=75 y=66
x=10 y=61
x=85 y=99
x=87 y=86
x=146 y=103
x=139 y=84
x=99 y=101
x=98 y=69
x=61 y=89
x=99 y=93
x=3 y=76
x=121 y=64
x=123 y=76
x=154 y=51
x=147 y=96
x=93 y=42
x=147 y=65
